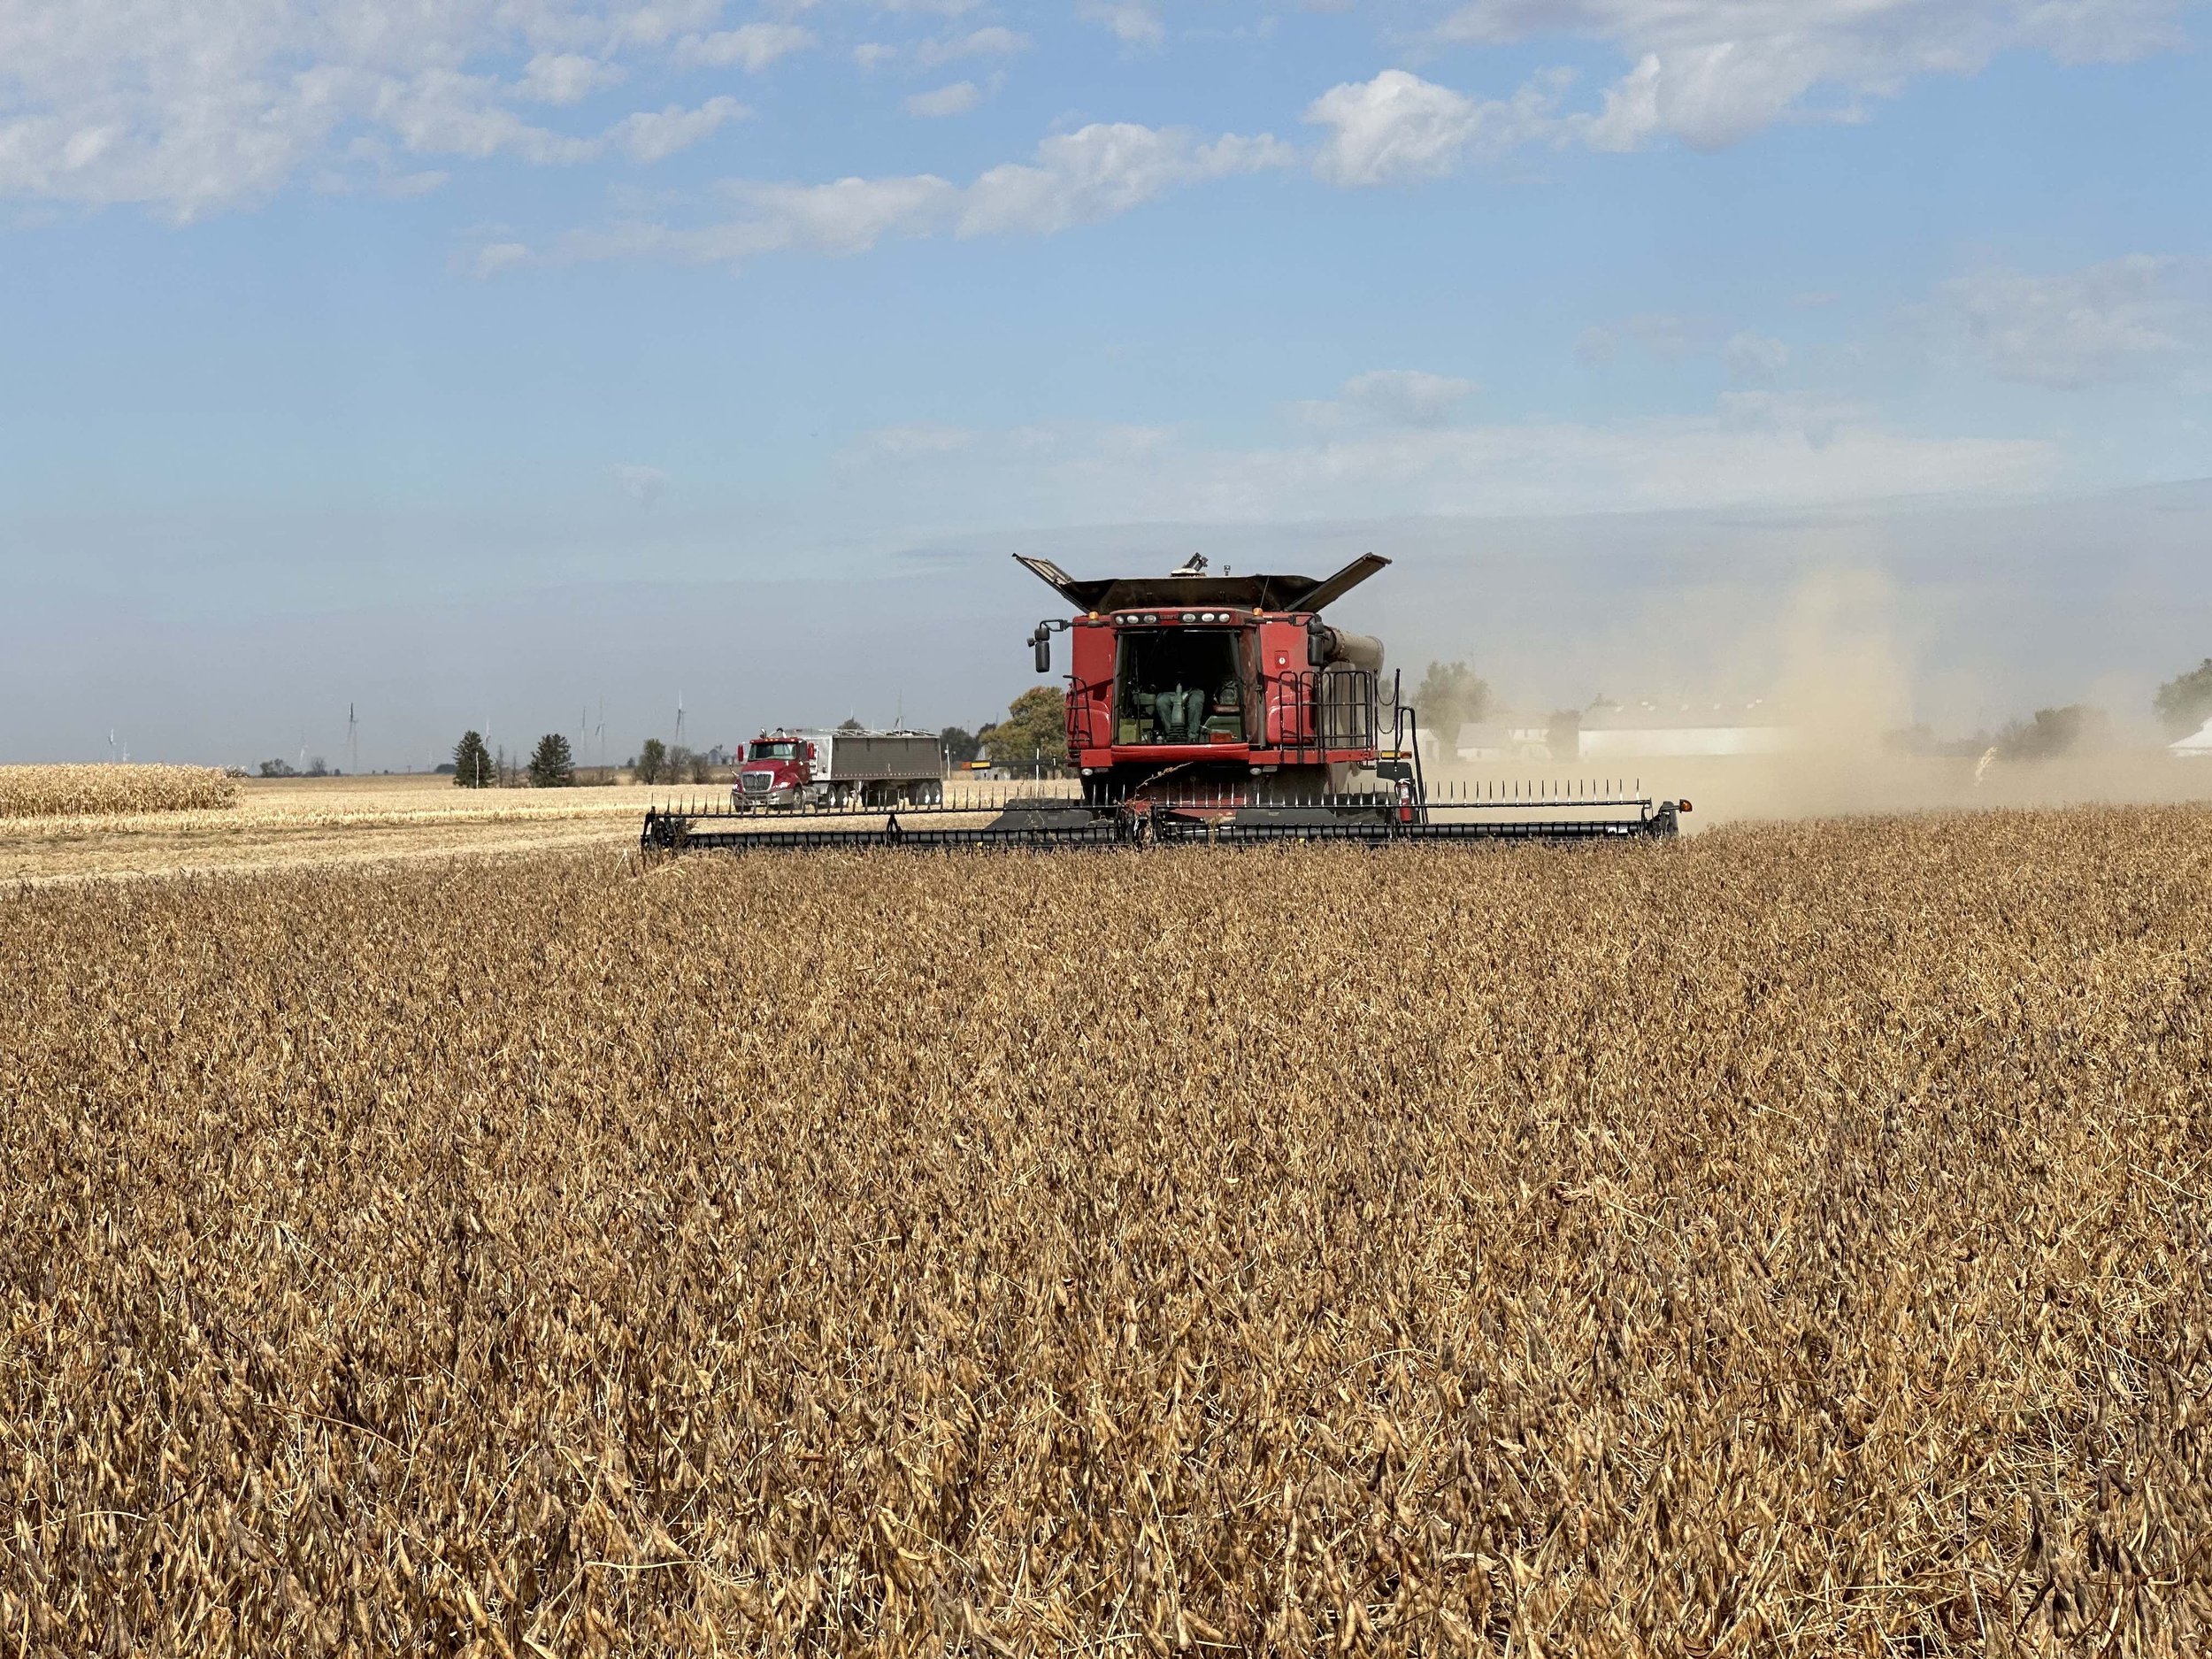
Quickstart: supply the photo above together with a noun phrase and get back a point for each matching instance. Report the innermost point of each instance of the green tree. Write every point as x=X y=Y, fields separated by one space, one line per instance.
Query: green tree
x=473 y=767
x=961 y=746
x=848 y=723
x=2056 y=731
x=1035 y=728
x=2184 y=702
x=552 y=766
x=1450 y=694
x=652 y=762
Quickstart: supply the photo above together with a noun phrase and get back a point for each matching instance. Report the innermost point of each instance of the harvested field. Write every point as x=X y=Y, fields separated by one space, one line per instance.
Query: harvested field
x=48 y=792
x=297 y=822
x=1795 y=1240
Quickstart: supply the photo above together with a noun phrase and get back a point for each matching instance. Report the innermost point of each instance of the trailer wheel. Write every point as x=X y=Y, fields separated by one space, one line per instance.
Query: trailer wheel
x=931 y=793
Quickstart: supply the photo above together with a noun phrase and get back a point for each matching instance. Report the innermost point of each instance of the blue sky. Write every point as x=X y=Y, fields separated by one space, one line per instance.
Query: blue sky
x=318 y=309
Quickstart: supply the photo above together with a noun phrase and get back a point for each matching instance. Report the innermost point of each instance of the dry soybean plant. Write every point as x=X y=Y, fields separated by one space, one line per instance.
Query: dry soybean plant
x=1791 y=1241
x=85 y=791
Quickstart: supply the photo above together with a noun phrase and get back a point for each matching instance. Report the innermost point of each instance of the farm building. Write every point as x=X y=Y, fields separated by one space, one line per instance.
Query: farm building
x=1648 y=731
x=1503 y=740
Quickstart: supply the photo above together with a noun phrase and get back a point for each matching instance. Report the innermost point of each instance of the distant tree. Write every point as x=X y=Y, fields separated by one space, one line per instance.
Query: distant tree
x=552 y=766
x=1035 y=730
x=848 y=723
x=683 y=764
x=1922 y=741
x=961 y=747
x=473 y=767
x=2184 y=702
x=1563 y=733
x=1450 y=694
x=317 y=768
x=652 y=762
x=278 y=769
x=2056 y=731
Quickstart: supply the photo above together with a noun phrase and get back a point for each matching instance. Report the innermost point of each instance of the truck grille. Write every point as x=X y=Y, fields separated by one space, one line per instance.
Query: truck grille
x=755 y=782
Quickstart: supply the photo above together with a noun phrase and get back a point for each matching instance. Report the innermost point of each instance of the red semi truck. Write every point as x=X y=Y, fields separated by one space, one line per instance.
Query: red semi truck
x=812 y=770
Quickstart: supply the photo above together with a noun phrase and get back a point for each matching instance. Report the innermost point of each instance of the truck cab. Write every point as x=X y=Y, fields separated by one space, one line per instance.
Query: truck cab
x=777 y=771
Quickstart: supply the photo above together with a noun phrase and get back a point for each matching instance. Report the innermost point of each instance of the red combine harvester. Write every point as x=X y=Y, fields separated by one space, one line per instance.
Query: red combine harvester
x=1219 y=709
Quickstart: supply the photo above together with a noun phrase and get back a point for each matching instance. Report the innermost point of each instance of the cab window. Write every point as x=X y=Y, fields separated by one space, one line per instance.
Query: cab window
x=1180 y=686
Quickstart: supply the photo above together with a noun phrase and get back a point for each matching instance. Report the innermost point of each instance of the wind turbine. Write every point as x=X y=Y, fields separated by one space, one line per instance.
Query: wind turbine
x=353 y=742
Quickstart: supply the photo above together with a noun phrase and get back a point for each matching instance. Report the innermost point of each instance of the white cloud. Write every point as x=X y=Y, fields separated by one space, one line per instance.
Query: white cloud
x=1672 y=337
x=1134 y=22
x=443 y=112
x=495 y=257
x=624 y=22
x=752 y=46
x=648 y=137
x=566 y=77
x=1077 y=178
x=2119 y=321
x=643 y=484
x=1746 y=453
x=1103 y=171
x=1398 y=127
x=872 y=55
x=1750 y=357
x=1667 y=336
x=1815 y=419
x=850 y=216
x=1408 y=397
x=192 y=109
x=401 y=186
x=1711 y=72
x=957 y=99
x=921 y=438
x=993 y=42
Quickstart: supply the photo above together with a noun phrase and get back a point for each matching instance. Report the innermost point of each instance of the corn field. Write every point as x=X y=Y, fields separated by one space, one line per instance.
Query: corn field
x=1795 y=1240
x=72 y=791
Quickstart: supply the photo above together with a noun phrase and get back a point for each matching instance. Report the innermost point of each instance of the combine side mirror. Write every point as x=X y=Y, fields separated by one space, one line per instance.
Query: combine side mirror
x=1042 y=639
x=1317 y=642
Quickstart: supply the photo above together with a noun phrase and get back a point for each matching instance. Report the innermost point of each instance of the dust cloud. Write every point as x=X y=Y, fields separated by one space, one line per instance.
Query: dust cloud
x=1841 y=668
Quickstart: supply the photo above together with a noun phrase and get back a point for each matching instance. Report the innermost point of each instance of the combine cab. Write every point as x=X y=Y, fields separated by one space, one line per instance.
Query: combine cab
x=1220 y=709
